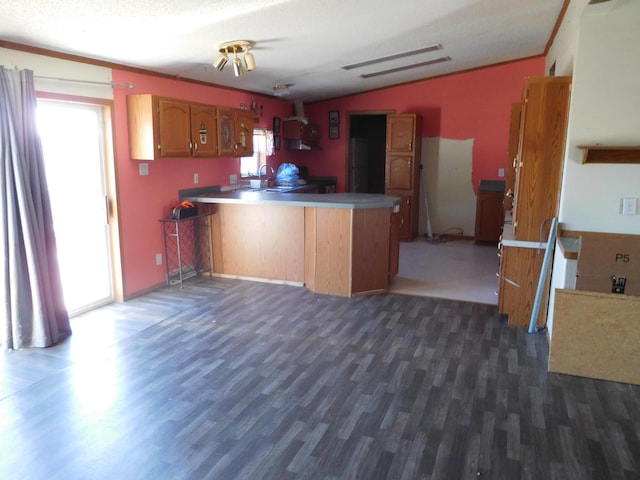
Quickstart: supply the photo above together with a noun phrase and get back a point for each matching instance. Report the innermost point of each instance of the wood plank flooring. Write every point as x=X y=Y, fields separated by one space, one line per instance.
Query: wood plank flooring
x=229 y=379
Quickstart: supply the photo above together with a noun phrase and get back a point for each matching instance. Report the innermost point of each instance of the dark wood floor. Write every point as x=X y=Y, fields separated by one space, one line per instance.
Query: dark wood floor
x=230 y=379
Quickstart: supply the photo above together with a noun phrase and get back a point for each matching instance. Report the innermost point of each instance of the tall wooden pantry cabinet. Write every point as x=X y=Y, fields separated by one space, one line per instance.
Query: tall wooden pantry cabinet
x=538 y=173
x=402 y=169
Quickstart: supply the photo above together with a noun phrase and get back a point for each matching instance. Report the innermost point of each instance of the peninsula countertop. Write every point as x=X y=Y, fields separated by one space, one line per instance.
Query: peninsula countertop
x=354 y=201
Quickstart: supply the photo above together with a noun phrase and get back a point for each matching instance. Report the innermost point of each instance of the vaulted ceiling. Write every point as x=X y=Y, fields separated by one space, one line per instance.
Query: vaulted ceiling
x=303 y=43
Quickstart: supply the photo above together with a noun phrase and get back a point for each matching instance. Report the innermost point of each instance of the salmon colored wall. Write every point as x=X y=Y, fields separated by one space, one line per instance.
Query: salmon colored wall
x=146 y=199
x=468 y=105
x=474 y=105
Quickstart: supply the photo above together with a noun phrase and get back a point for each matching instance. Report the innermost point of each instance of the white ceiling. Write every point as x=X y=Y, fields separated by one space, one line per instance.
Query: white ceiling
x=301 y=42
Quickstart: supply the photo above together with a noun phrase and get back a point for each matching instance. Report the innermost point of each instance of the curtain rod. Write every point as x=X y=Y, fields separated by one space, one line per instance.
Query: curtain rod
x=111 y=84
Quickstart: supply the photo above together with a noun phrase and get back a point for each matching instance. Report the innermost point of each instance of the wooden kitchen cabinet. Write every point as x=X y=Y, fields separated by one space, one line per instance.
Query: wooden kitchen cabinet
x=244 y=133
x=404 y=215
x=174 y=128
x=402 y=169
x=235 y=132
x=399 y=172
x=489 y=217
x=166 y=128
x=519 y=272
x=204 y=131
x=538 y=169
x=539 y=162
x=401 y=133
x=394 y=246
x=514 y=136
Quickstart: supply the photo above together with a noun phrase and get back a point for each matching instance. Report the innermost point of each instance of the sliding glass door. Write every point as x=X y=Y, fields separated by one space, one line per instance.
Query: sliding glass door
x=73 y=140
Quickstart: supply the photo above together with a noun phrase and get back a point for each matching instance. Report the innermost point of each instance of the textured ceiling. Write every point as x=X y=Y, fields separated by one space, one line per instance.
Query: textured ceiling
x=301 y=42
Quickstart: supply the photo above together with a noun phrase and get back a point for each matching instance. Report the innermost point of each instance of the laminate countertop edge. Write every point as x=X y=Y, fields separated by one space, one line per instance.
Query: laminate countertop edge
x=354 y=201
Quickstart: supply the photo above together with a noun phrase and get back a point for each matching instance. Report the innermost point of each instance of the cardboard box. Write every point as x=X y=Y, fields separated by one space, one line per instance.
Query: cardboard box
x=609 y=263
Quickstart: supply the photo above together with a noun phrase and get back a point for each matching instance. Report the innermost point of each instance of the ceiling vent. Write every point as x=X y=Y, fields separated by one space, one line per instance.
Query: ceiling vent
x=406 y=67
x=388 y=58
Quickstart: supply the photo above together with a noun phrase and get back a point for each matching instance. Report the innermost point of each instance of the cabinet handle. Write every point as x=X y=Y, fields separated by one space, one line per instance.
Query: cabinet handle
x=195 y=147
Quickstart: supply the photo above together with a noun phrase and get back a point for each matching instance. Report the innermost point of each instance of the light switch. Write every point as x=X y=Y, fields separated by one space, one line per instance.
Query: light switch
x=143 y=169
x=629 y=206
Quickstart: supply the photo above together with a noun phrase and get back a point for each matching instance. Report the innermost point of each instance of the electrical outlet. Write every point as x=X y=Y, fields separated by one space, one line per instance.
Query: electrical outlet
x=143 y=169
x=629 y=206
x=233 y=179
x=501 y=172
x=158 y=259
x=196 y=178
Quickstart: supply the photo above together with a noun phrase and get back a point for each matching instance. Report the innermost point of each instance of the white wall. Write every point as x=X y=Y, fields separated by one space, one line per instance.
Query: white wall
x=447 y=167
x=599 y=46
x=605 y=109
x=43 y=66
x=565 y=43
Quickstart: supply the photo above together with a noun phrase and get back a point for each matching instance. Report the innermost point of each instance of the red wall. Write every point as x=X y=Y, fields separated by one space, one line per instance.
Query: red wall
x=473 y=105
x=468 y=105
x=146 y=199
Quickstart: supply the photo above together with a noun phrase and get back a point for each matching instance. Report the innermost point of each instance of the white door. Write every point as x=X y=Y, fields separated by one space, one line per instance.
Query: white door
x=74 y=155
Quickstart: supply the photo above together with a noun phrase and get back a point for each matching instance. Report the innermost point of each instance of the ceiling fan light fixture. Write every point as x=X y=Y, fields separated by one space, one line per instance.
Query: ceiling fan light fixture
x=249 y=62
x=234 y=48
x=221 y=61
x=238 y=71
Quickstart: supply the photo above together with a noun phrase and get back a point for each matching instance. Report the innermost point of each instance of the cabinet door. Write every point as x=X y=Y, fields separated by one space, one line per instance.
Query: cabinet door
x=394 y=246
x=489 y=217
x=405 y=215
x=204 y=132
x=541 y=153
x=399 y=174
x=519 y=273
x=401 y=132
x=244 y=133
x=226 y=132
x=514 y=133
x=174 y=128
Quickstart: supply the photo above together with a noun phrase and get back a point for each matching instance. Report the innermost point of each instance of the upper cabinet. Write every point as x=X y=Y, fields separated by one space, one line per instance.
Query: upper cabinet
x=226 y=132
x=402 y=169
x=235 y=132
x=244 y=133
x=401 y=133
x=167 y=128
x=204 y=128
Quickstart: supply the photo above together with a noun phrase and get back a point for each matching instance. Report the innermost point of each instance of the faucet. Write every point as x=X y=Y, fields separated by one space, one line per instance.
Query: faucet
x=273 y=172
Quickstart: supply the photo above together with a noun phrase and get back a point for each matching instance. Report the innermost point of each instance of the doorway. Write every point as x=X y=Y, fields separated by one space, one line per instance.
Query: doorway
x=367 y=150
x=74 y=146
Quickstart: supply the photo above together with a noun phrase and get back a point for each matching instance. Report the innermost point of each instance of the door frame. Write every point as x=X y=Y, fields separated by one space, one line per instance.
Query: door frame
x=110 y=174
x=347 y=160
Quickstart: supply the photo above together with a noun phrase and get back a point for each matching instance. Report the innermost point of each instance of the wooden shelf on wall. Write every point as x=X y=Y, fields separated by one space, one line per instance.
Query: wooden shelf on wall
x=609 y=154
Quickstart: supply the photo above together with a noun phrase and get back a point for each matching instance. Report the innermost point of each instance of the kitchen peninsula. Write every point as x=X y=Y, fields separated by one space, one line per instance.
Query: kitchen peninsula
x=342 y=244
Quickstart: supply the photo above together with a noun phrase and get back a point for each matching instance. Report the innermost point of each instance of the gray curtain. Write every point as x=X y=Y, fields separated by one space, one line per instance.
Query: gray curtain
x=33 y=312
